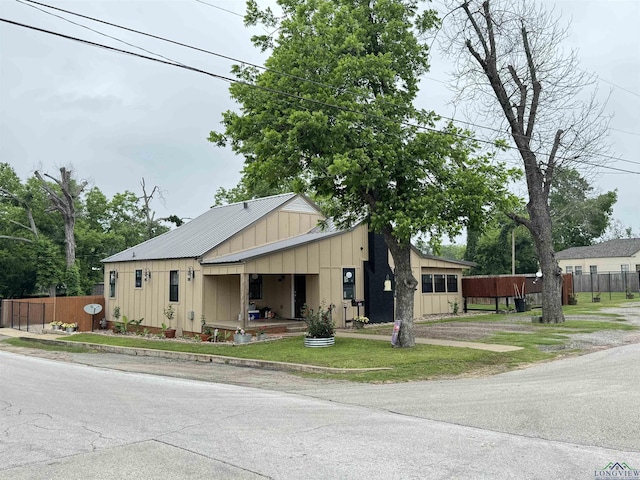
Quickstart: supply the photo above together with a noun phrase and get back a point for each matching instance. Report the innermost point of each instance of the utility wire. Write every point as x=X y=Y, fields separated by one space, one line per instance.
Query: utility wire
x=261 y=67
x=278 y=92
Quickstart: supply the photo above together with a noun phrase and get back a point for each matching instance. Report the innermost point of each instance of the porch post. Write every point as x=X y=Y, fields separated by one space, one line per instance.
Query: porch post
x=244 y=296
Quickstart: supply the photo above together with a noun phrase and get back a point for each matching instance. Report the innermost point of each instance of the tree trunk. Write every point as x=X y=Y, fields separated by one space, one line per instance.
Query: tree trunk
x=70 y=239
x=551 y=273
x=405 y=287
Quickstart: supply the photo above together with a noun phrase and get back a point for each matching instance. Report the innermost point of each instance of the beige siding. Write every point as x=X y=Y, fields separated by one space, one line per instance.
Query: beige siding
x=149 y=301
x=276 y=226
x=608 y=264
x=435 y=303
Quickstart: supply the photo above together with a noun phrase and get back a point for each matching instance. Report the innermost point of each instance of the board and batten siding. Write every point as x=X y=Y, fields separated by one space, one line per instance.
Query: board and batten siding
x=278 y=225
x=434 y=303
x=149 y=301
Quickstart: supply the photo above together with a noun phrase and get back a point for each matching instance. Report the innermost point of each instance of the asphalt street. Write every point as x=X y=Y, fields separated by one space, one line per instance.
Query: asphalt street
x=61 y=420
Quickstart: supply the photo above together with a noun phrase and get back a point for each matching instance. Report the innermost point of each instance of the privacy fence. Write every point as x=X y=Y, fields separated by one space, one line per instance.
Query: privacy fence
x=607 y=282
x=37 y=313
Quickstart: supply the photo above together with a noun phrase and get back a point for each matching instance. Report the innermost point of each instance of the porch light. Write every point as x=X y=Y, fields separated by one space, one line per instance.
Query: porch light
x=147 y=274
x=387 y=284
x=538 y=276
x=190 y=274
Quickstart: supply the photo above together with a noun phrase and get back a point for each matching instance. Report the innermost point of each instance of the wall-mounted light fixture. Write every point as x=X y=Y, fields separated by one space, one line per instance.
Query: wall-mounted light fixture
x=538 y=275
x=147 y=274
x=387 y=284
x=190 y=274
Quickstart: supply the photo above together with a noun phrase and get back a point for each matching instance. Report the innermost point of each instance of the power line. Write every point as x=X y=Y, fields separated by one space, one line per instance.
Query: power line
x=220 y=8
x=278 y=92
x=266 y=69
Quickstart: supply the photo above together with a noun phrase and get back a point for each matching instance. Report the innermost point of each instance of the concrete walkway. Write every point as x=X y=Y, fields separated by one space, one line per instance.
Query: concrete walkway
x=490 y=347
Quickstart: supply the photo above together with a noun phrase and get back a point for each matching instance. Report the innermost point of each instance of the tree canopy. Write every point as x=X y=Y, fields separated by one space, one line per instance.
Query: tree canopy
x=333 y=116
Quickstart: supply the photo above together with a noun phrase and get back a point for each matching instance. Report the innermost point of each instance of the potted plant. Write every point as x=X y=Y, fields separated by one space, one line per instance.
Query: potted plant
x=70 y=327
x=170 y=313
x=262 y=334
x=360 y=321
x=240 y=336
x=573 y=299
x=320 y=327
x=55 y=325
x=629 y=295
x=596 y=297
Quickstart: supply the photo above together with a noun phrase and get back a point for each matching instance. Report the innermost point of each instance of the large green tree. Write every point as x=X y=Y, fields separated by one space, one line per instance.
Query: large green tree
x=579 y=216
x=334 y=116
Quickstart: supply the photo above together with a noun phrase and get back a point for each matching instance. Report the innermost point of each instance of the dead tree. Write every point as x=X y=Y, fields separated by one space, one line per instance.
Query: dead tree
x=510 y=65
x=64 y=202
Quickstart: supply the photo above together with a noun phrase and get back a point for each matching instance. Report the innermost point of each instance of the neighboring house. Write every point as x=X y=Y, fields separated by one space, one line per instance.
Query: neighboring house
x=620 y=255
x=268 y=253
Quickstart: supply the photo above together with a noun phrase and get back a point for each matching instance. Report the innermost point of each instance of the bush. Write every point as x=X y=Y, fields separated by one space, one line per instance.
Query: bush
x=319 y=323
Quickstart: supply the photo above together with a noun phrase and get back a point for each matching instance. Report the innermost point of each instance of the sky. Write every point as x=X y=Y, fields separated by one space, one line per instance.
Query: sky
x=115 y=119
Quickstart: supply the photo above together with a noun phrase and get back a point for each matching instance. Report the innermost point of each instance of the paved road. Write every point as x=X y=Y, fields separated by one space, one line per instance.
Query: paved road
x=62 y=420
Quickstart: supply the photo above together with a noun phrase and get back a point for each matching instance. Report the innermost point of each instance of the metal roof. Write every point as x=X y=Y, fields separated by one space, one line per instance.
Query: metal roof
x=620 y=247
x=203 y=233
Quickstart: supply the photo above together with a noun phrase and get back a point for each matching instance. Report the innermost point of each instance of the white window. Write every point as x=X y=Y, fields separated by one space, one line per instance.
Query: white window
x=569 y=269
x=593 y=269
x=624 y=268
x=578 y=270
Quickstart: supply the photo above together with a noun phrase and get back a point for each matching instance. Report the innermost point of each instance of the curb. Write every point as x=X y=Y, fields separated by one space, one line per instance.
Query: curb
x=206 y=358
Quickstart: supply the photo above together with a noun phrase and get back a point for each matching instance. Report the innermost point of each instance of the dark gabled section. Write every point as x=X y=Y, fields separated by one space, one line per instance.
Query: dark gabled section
x=378 y=303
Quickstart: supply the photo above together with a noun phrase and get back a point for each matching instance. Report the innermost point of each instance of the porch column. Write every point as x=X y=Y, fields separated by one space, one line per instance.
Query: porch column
x=244 y=297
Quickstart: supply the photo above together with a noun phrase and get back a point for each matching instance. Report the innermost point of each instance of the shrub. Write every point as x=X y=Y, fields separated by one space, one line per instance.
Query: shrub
x=319 y=323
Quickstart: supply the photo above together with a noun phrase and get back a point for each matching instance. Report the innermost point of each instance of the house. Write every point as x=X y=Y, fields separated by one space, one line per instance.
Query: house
x=246 y=259
x=619 y=255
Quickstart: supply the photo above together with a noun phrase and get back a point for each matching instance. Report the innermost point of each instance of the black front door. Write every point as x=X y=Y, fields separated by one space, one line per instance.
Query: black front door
x=299 y=294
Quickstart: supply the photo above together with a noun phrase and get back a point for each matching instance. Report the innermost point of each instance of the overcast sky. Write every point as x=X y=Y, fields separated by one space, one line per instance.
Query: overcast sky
x=116 y=118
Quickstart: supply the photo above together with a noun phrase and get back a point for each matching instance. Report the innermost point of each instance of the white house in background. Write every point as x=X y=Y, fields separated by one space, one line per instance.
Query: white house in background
x=620 y=255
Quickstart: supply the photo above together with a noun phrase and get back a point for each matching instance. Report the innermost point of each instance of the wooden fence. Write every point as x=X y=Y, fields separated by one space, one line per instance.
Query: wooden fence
x=26 y=313
x=607 y=282
x=488 y=289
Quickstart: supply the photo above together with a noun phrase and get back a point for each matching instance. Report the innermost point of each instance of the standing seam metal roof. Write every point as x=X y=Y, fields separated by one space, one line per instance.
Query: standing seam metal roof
x=203 y=233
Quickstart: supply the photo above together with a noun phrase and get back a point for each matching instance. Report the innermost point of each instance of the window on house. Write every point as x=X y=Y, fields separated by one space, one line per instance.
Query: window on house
x=578 y=270
x=173 y=285
x=255 y=287
x=348 y=283
x=452 y=283
x=438 y=283
x=427 y=283
x=637 y=267
x=569 y=269
x=624 y=268
x=112 y=283
x=593 y=269
x=138 y=278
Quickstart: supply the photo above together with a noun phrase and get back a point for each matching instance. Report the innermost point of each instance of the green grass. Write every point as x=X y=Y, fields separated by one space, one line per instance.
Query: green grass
x=18 y=342
x=418 y=363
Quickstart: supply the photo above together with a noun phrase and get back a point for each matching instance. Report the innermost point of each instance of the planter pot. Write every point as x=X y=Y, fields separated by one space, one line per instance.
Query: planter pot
x=205 y=337
x=238 y=338
x=358 y=325
x=71 y=330
x=573 y=301
x=630 y=296
x=170 y=333
x=261 y=336
x=596 y=299
x=319 y=342
x=521 y=304
x=55 y=327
